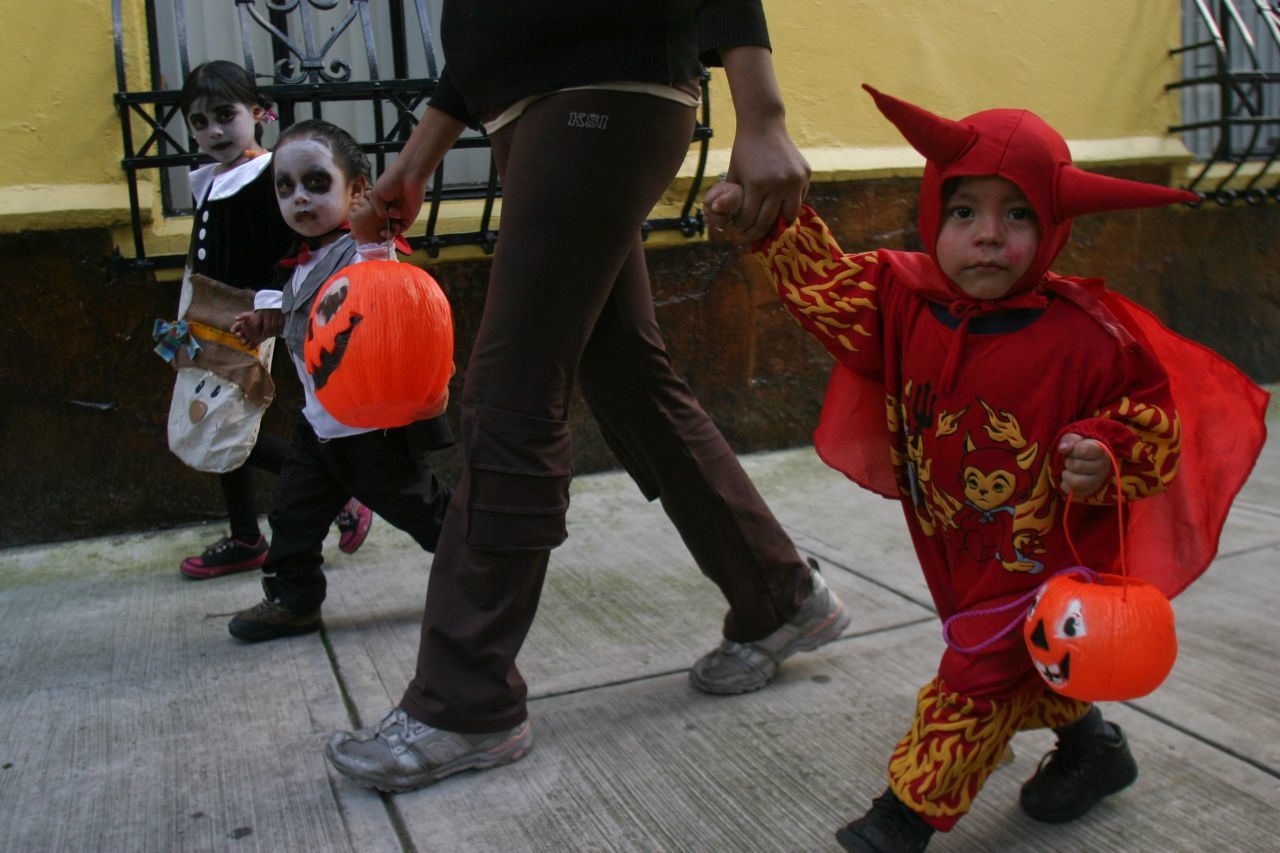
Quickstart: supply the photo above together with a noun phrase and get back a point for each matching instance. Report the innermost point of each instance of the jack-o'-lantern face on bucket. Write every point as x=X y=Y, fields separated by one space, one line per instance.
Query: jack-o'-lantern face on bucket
x=379 y=345
x=331 y=327
x=1055 y=641
x=1111 y=638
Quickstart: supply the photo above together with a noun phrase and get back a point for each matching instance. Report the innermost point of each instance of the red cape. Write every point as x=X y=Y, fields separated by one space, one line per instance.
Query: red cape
x=1173 y=536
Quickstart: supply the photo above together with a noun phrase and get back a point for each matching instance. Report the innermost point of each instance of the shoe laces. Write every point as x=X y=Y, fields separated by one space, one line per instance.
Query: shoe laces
x=265 y=606
x=226 y=543
x=401 y=726
x=1067 y=760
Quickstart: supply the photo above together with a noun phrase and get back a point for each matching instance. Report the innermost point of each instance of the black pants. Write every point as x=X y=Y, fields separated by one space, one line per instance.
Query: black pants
x=569 y=299
x=238 y=489
x=386 y=470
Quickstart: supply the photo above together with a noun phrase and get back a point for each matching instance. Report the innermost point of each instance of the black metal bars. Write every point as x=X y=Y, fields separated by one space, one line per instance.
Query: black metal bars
x=1231 y=97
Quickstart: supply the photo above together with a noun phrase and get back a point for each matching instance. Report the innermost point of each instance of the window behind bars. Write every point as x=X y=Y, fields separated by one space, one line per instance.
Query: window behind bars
x=1231 y=96
x=213 y=32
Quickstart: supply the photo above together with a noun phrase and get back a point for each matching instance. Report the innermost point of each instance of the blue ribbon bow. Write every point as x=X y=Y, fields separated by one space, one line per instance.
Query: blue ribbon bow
x=171 y=337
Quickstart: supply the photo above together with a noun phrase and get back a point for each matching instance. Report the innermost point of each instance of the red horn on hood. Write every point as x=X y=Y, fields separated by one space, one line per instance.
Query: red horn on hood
x=939 y=139
x=1078 y=192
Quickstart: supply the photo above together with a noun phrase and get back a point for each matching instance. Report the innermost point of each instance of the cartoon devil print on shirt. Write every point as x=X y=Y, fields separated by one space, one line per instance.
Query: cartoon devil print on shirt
x=1000 y=504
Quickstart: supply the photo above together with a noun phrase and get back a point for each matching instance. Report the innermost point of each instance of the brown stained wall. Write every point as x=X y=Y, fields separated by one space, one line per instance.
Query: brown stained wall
x=83 y=401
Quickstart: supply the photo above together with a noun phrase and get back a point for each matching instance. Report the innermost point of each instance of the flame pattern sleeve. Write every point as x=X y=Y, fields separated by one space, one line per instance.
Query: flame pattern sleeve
x=1141 y=427
x=833 y=296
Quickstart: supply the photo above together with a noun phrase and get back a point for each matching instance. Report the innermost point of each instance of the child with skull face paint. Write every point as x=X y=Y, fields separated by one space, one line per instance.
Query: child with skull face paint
x=979 y=388
x=320 y=176
x=237 y=237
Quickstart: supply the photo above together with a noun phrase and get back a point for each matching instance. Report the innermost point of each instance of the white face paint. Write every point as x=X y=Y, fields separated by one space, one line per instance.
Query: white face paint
x=315 y=197
x=224 y=131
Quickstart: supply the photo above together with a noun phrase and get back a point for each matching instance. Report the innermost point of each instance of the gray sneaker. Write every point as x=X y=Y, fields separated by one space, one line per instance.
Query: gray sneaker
x=742 y=667
x=401 y=754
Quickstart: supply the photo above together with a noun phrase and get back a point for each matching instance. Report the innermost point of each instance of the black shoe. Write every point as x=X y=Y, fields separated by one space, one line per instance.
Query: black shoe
x=889 y=827
x=224 y=557
x=1074 y=777
x=271 y=620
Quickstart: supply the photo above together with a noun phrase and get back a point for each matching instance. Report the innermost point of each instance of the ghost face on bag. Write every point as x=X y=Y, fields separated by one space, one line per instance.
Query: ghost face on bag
x=212 y=425
x=208 y=398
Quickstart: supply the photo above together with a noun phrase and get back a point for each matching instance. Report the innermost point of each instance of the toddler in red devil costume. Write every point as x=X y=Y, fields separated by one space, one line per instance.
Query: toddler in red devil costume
x=977 y=387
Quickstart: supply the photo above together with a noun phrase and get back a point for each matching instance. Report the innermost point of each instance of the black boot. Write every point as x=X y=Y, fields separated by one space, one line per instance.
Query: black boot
x=1092 y=761
x=889 y=827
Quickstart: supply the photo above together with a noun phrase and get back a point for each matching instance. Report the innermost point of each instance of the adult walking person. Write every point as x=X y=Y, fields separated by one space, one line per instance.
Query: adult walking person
x=590 y=113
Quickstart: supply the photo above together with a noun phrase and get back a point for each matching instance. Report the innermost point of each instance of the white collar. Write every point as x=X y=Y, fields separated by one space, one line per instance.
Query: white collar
x=205 y=183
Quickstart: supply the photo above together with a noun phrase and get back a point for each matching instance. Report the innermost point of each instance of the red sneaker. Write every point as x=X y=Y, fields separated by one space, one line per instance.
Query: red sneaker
x=225 y=557
x=353 y=522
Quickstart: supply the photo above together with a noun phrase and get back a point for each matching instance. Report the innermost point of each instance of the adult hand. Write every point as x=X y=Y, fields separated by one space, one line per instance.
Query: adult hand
x=394 y=201
x=1086 y=466
x=397 y=196
x=773 y=174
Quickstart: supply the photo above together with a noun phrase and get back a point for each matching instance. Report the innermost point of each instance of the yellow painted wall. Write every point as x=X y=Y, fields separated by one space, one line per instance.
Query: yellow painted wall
x=59 y=136
x=1095 y=69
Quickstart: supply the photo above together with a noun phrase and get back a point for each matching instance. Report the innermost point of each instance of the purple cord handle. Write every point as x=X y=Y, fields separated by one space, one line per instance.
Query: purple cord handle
x=1015 y=604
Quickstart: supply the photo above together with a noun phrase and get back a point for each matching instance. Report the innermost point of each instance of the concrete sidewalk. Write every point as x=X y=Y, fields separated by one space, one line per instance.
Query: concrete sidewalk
x=130 y=720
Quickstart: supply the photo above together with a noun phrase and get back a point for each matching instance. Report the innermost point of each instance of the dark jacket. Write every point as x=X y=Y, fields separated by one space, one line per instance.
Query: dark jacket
x=499 y=51
x=238 y=239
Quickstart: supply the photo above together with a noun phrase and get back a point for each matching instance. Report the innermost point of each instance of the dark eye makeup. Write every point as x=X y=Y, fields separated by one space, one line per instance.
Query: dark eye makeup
x=317 y=181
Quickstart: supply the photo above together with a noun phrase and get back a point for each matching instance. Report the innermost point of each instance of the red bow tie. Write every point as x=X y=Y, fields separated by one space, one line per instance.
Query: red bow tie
x=303 y=255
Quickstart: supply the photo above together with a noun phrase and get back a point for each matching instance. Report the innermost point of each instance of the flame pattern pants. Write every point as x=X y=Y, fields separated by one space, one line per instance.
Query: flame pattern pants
x=956 y=741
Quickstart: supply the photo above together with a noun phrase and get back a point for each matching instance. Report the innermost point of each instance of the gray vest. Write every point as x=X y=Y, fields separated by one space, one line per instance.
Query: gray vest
x=297 y=307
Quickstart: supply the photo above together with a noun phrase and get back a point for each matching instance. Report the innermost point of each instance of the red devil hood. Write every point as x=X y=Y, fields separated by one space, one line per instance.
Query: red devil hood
x=1019 y=146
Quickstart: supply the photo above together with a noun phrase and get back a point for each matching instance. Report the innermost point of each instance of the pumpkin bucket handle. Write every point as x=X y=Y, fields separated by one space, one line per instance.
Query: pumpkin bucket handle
x=1020 y=604
x=1120 y=502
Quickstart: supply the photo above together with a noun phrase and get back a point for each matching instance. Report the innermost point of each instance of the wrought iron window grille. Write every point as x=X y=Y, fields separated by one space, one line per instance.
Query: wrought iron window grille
x=306 y=73
x=1231 y=98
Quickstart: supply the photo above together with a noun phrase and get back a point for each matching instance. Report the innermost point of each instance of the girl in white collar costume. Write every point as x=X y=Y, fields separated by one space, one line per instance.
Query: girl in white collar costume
x=237 y=237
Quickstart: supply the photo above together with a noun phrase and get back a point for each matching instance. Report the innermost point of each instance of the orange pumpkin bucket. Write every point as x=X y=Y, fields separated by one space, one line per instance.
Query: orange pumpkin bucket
x=379 y=345
x=1101 y=638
